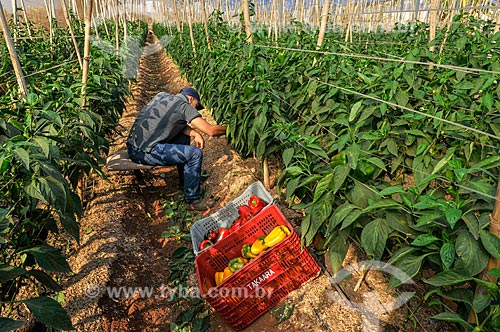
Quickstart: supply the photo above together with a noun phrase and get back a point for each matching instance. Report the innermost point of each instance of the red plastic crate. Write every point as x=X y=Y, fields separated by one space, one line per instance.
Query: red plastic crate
x=227 y=215
x=261 y=283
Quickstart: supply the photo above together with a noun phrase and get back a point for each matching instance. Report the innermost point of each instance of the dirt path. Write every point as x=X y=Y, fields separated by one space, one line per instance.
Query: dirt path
x=121 y=245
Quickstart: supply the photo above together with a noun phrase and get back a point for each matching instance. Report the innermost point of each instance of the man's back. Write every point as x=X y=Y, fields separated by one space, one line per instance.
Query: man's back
x=161 y=120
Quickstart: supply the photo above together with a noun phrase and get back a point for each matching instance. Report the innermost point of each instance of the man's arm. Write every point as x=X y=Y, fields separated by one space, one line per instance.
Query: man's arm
x=207 y=128
x=197 y=138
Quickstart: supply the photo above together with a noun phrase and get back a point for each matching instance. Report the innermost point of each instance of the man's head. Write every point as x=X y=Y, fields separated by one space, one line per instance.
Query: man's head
x=193 y=97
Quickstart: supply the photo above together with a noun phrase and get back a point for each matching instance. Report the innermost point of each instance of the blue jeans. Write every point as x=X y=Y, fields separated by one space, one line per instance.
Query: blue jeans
x=187 y=158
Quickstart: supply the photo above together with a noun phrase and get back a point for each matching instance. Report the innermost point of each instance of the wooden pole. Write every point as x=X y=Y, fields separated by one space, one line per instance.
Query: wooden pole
x=71 y=32
x=205 y=23
x=228 y=16
x=177 y=20
x=15 y=16
x=495 y=230
x=125 y=28
x=246 y=23
x=432 y=25
x=190 y=23
x=493 y=263
x=49 y=17
x=117 y=28
x=86 y=50
x=497 y=26
x=13 y=54
x=85 y=73
x=26 y=19
x=74 y=8
x=324 y=21
x=100 y=11
x=52 y=9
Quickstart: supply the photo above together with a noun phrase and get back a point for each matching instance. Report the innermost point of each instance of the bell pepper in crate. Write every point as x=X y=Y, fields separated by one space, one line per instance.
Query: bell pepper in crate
x=219 y=277
x=222 y=233
x=245 y=212
x=227 y=273
x=258 y=246
x=237 y=263
x=211 y=236
x=255 y=204
x=236 y=224
x=277 y=235
x=222 y=275
x=205 y=244
x=246 y=251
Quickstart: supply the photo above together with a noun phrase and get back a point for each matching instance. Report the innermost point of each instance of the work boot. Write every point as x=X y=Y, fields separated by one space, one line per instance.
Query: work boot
x=200 y=204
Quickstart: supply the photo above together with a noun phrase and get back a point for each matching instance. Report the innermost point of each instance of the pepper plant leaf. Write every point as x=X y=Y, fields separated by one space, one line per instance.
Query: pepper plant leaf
x=49 y=258
x=337 y=252
x=447 y=254
x=49 y=312
x=472 y=258
x=9 y=272
x=491 y=243
x=7 y=324
x=374 y=237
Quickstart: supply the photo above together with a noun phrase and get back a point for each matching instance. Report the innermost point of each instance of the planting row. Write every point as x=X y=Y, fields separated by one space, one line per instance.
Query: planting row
x=47 y=143
x=382 y=141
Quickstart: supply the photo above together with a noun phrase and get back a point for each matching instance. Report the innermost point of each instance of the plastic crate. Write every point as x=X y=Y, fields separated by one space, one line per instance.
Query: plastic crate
x=227 y=215
x=264 y=281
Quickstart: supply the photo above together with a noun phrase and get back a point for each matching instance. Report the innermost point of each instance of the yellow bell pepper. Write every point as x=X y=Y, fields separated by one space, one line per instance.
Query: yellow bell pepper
x=227 y=273
x=258 y=246
x=246 y=251
x=276 y=236
x=219 y=277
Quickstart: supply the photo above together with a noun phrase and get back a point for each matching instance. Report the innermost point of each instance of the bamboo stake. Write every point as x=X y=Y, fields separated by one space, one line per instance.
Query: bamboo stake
x=432 y=25
x=348 y=33
x=52 y=9
x=177 y=21
x=190 y=23
x=74 y=7
x=275 y=18
x=246 y=23
x=15 y=16
x=448 y=28
x=495 y=230
x=71 y=32
x=417 y=10
x=324 y=21
x=100 y=11
x=49 y=17
x=497 y=26
x=117 y=28
x=86 y=50
x=228 y=17
x=94 y=23
x=26 y=19
x=205 y=23
x=85 y=74
x=493 y=263
x=125 y=28
x=23 y=90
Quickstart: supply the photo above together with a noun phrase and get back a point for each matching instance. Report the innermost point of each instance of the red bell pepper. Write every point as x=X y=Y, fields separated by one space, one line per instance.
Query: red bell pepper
x=236 y=224
x=222 y=233
x=255 y=204
x=245 y=212
x=211 y=235
x=205 y=244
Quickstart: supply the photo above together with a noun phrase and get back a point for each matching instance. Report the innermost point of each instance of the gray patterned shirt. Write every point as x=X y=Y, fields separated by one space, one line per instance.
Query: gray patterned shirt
x=161 y=120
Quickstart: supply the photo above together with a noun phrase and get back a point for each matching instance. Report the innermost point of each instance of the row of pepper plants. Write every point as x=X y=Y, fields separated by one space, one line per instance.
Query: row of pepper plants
x=412 y=190
x=47 y=142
